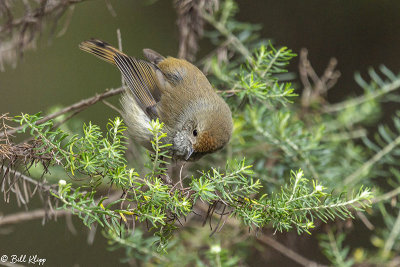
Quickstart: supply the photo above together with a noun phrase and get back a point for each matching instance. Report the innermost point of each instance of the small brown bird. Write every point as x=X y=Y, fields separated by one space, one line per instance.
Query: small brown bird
x=197 y=120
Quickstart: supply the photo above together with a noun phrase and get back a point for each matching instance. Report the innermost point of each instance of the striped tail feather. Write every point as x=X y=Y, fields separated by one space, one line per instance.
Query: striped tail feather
x=139 y=75
x=100 y=49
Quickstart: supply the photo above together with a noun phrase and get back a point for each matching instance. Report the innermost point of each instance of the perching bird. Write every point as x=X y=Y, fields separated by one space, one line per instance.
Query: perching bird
x=197 y=120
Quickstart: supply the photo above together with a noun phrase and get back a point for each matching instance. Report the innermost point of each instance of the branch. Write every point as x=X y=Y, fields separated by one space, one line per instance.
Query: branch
x=266 y=240
x=40 y=213
x=77 y=107
x=392 y=237
x=386 y=196
x=362 y=99
x=44 y=187
x=28 y=216
x=317 y=90
x=355 y=176
x=22 y=191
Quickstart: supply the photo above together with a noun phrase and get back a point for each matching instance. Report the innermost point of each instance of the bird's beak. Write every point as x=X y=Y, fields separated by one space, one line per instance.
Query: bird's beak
x=189 y=153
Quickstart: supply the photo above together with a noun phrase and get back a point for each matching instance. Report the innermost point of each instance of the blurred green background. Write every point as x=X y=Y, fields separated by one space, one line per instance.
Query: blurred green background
x=360 y=34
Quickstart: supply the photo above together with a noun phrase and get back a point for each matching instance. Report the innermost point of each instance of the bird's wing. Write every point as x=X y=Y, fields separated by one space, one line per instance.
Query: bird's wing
x=141 y=78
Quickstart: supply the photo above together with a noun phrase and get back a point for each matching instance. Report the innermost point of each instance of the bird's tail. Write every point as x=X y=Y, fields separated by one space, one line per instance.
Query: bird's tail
x=100 y=49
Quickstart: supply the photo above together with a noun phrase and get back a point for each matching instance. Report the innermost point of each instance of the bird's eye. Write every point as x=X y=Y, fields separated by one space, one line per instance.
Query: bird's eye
x=195 y=132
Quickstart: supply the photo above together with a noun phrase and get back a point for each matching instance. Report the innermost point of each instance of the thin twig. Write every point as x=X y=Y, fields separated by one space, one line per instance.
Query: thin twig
x=81 y=105
x=67 y=21
x=287 y=252
x=365 y=220
x=28 y=216
x=111 y=8
x=316 y=89
x=44 y=187
x=394 y=233
x=386 y=196
x=180 y=175
x=357 y=175
x=269 y=241
x=362 y=99
x=112 y=106
x=40 y=213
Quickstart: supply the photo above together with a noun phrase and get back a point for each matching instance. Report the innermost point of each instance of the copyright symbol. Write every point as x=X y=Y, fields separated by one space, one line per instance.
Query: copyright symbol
x=4 y=258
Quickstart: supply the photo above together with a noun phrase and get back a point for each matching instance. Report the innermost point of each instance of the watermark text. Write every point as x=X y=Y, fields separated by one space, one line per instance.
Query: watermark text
x=23 y=258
